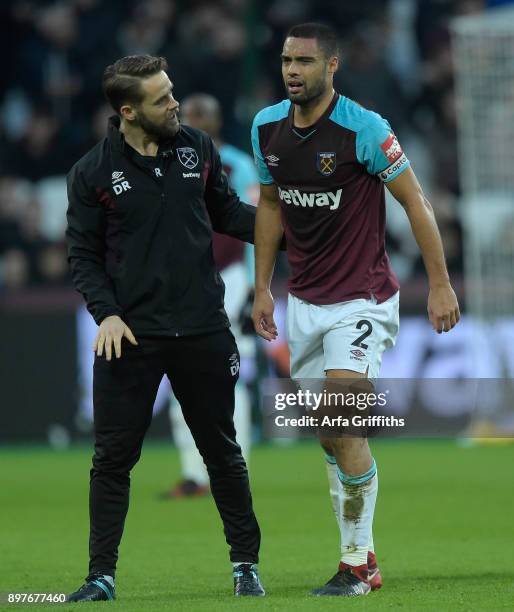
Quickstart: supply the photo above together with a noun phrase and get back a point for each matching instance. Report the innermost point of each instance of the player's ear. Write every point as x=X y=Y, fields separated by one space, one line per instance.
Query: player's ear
x=333 y=64
x=127 y=112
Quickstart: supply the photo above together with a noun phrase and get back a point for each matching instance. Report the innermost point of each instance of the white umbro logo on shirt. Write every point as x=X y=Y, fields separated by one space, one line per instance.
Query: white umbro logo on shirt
x=119 y=183
x=272 y=159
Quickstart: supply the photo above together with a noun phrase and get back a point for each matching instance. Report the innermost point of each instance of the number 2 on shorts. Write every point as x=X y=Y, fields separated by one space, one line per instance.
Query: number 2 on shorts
x=369 y=328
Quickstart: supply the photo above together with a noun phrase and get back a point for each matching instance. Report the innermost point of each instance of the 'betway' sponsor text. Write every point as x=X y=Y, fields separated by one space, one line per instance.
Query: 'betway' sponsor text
x=309 y=200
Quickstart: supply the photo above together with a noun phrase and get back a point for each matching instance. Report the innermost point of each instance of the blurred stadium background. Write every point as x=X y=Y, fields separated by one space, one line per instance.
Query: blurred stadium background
x=398 y=59
x=442 y=72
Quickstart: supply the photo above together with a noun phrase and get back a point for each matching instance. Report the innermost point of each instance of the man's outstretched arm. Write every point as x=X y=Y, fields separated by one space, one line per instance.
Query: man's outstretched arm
x=268 y=236
x=443 y=308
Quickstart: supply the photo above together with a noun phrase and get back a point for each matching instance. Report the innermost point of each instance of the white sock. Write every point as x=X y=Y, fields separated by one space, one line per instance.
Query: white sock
x=357 y=507
x=336 y=493
x=193 y=467
x=334 y=486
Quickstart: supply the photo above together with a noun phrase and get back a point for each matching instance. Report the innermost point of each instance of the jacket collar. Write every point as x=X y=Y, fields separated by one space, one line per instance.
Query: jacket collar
x=114 y=136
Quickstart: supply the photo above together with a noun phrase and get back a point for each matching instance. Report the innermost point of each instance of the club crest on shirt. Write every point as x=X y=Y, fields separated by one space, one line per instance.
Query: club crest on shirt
x=326 y=162
x=188 y=157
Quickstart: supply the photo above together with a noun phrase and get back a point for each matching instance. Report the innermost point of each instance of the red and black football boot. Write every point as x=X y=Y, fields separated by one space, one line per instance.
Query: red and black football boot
x=349 y=581
x=374 y=576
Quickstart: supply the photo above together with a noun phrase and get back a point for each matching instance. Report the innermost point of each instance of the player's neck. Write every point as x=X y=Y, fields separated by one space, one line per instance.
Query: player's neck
x=307 y=115
x=139 y=140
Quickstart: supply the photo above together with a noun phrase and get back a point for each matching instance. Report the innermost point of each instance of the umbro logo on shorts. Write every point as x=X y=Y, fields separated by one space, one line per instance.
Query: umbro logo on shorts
x=272 y=159
x=358 y=354
x=300 y=198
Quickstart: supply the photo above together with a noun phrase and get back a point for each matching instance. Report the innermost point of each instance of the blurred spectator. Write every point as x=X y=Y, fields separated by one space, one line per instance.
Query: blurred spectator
x=52 y=264
x=366 y=77
x=27 y=257
x=49 y=66
x=42 y=149
x=14 y=270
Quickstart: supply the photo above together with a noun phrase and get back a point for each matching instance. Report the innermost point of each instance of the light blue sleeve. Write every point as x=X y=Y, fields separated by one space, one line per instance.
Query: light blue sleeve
x=246 y=181
x=379 y=150
x=246 y=184
x=262 y=170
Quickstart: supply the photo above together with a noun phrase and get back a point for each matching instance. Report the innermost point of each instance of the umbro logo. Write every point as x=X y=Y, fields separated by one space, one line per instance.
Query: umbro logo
x=272 y=159
x=119 y=183
x=358 y=354
x=234 y=364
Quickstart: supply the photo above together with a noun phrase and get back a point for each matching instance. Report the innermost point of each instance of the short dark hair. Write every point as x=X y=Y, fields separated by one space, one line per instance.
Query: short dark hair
x=325 y=35
x=121 y=81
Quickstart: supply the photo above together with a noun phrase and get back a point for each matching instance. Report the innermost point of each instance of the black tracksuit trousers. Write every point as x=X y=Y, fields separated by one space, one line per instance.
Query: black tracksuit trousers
x=203 y=371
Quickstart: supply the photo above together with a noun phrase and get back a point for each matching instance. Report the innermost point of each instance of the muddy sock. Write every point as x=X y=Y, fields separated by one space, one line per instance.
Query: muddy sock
x=358 y=498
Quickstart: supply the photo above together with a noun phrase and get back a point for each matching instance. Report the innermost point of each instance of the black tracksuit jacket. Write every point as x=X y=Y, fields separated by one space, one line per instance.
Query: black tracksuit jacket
x=140 y=245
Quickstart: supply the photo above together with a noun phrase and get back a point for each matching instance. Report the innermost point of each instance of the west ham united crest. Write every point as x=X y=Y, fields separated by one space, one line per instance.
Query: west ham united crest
x=326 y=163
x=187 y=157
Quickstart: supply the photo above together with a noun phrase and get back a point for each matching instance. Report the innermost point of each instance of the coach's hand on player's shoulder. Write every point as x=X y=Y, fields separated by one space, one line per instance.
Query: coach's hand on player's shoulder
x=112 y=329
x=443 y=308
x=262 y=315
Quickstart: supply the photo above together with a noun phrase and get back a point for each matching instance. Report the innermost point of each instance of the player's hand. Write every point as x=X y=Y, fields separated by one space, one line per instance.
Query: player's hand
x=443 y=308
x=111 y=331
x=262 y=315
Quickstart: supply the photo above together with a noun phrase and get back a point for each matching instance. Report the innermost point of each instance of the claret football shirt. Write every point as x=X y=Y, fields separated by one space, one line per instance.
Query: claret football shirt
x=330 y=180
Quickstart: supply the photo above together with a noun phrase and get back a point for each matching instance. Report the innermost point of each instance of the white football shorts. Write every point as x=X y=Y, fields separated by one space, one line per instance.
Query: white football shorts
x=345 y=336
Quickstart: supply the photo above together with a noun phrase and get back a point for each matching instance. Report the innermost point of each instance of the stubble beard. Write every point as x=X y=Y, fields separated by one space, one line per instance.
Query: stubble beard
x=311 y=95
x=159 y=132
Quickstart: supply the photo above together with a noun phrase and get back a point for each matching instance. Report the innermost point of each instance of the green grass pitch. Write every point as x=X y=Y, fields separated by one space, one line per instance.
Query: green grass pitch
x=443 y=530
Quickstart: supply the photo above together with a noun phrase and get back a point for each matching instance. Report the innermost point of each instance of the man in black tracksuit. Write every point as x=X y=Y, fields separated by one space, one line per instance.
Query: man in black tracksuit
x=142 y=207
